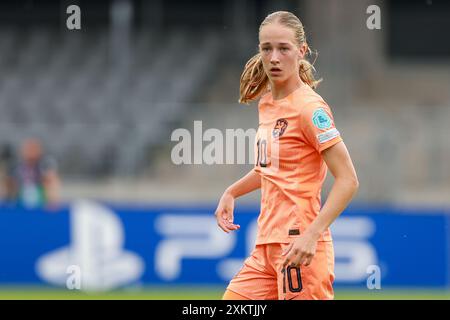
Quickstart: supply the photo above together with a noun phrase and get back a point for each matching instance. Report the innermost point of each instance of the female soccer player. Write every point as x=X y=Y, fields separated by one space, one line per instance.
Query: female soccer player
x=295 y=144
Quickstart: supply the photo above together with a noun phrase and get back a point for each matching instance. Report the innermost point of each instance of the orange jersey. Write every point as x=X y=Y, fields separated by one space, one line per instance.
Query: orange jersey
x=292 y=133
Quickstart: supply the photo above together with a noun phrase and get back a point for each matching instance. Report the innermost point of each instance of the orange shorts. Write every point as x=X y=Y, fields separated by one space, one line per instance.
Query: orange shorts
x=262 y=277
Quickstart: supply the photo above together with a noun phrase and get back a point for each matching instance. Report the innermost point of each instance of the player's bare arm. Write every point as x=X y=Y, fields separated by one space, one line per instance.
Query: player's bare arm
x=224 y=212
x=302 y=250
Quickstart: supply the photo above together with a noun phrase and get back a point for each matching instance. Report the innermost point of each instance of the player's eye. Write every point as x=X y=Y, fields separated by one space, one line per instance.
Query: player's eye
x=265 y=49
x=284 y=49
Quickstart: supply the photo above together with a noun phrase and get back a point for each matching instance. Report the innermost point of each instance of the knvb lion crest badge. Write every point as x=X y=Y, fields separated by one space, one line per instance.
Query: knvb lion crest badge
x=280 y=128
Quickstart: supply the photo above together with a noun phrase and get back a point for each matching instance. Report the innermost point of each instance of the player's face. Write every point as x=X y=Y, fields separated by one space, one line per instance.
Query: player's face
x=31 y=151
x=279 y=52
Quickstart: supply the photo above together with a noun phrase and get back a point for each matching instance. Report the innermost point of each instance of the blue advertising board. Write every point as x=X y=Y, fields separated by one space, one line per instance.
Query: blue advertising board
x=117 y=246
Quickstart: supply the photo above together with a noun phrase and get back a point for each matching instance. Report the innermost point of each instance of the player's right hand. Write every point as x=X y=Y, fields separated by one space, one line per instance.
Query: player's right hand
x=224 y=213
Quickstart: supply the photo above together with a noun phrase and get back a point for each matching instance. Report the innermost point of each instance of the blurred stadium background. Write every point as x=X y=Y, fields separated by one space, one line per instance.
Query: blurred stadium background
x=104 y=101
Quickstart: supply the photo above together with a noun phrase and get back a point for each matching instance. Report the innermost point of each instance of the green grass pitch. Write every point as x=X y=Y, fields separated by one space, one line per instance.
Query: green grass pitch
x=204 y=293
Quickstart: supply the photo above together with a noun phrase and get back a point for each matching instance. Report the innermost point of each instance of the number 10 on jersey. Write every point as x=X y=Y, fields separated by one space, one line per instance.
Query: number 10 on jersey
x=261 y=160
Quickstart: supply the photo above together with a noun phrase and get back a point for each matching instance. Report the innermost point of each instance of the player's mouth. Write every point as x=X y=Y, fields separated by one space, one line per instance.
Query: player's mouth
x=275 y=71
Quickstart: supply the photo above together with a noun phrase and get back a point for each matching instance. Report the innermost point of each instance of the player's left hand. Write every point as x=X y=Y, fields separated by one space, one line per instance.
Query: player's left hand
x=300 y=252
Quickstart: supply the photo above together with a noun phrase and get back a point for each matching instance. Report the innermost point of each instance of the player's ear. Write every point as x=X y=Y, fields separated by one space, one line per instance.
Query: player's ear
x=302 y=49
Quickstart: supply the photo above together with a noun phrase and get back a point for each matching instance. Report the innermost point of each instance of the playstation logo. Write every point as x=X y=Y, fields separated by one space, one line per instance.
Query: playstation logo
x=96 y=247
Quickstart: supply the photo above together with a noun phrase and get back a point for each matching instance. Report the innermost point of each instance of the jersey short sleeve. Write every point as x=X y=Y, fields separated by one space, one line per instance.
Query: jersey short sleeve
x=318 y=127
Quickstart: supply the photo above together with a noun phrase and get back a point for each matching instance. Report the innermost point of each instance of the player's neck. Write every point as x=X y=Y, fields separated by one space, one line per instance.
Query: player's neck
x=281 y=90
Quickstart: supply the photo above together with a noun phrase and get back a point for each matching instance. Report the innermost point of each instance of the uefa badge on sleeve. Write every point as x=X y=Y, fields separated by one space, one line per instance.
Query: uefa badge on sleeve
x=321 y=119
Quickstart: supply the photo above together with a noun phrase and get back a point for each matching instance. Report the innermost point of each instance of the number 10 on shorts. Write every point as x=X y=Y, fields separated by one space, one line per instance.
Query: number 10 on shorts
x=290 y=273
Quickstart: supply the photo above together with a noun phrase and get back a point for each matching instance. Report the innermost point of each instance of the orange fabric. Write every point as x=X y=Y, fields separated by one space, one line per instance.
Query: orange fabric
x=291 y=135
x=261 y=277
x=230 y=295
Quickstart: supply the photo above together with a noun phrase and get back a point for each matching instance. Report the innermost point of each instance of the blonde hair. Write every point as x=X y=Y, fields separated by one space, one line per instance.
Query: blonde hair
x=254 y=80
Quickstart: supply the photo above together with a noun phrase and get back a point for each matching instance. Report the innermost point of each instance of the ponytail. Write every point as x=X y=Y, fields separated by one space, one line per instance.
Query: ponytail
x=306 y=72
x=254 y=80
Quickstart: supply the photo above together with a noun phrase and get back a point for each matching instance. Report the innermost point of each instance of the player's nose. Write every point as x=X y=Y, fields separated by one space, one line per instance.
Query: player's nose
x=275 y=58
